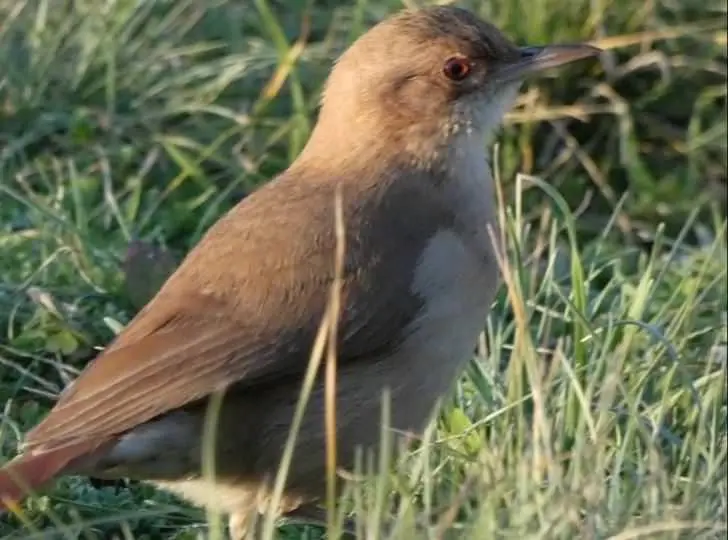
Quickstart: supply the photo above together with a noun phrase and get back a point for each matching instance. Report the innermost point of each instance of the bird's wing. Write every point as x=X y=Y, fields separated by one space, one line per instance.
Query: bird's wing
x=245 y=306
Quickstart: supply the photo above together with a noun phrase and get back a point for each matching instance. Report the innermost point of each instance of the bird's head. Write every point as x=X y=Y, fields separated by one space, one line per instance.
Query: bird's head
x=415 y=80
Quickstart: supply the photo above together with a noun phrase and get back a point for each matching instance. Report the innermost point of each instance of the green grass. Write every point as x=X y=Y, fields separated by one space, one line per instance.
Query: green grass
x=599 y=408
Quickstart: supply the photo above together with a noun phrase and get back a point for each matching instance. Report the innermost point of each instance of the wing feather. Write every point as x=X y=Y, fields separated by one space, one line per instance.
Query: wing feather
x=245 y=306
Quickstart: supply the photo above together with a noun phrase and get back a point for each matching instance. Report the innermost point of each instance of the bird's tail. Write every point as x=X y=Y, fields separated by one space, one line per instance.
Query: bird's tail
x=32 y=470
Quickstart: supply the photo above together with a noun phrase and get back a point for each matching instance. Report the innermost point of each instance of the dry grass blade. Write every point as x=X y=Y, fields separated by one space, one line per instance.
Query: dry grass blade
x=542 y=114
x=654 y=529
x=663 y=34
x=450 y=515
x=287 y=64
x=331 y=365
x=317 y=354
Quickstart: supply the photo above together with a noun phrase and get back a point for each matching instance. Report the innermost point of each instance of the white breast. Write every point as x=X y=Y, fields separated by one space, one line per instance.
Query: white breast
x=457 y=286
x=457 y=273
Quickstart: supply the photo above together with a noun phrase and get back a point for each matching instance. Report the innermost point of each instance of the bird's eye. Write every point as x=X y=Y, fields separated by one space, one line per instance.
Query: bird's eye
x=457 y=68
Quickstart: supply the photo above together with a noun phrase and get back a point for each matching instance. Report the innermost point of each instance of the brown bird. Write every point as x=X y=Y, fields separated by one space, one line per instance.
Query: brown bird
x=401 y=135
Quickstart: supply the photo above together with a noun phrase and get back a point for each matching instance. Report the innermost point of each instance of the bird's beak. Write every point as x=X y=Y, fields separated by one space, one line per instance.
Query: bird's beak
x=536 y=59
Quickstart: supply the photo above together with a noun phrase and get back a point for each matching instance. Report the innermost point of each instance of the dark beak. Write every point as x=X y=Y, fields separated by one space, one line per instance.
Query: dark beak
x=536 y=59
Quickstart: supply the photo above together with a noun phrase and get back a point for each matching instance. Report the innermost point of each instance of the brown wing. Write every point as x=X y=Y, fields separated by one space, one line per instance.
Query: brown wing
x=245 y=305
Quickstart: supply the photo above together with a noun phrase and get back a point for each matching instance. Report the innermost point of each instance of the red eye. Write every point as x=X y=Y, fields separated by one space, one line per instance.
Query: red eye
x=457 y=68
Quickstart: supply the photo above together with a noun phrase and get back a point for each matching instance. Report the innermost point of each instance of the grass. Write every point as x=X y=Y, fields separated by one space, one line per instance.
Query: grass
x=599 y=408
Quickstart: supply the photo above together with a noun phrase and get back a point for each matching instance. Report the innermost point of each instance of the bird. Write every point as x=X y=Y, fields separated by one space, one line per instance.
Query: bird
x=399 y=153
